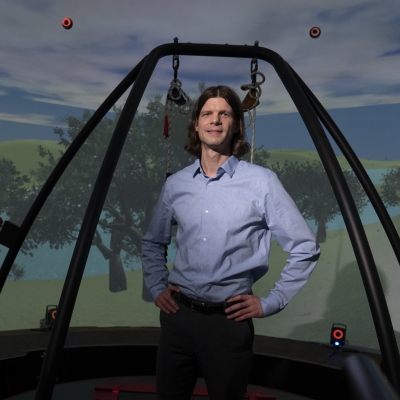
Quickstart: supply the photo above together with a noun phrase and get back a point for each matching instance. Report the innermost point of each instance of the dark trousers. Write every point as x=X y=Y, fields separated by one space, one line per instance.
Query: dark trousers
x=220 y=348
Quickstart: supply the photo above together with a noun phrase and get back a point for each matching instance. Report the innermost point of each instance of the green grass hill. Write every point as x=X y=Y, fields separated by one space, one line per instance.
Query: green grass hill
x=25 y=156
x=24 y=153
x=308 y=155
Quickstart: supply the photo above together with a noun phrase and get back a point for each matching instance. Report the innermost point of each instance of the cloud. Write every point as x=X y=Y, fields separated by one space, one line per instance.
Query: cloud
x=391 y=53
x=81 y=66
x=340 y=15
x=34 y=119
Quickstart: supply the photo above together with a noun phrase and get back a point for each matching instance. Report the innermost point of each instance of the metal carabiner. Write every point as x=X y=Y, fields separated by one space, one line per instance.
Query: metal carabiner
x=253 y=69
x=175 y=65
x=254 y=65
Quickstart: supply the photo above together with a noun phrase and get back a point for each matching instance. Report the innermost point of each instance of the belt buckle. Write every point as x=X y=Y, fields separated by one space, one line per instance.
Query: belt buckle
x=196 y=303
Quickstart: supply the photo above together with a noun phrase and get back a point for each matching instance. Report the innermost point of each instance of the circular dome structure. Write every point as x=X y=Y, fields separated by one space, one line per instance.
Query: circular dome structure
x=96 y=209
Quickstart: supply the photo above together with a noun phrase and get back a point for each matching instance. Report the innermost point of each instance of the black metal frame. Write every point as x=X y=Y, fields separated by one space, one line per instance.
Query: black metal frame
x=357 y=167
x=309 y=109
x=366 y=380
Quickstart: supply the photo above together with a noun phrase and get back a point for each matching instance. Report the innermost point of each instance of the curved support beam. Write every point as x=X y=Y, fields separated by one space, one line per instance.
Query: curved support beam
x=366 y=381
x=354 y=226
x=61 y=167
x=357 y=167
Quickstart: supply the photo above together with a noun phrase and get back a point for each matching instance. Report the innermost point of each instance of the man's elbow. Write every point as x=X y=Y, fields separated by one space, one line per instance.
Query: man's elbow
x=313 y=258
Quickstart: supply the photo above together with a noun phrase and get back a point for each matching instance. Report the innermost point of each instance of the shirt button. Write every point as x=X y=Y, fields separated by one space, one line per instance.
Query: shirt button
x=198 y=291
x=204 y=239
x=206 y=211
x=201 y=266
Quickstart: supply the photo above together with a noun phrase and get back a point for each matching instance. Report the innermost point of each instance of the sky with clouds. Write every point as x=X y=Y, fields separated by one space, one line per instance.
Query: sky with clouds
x=47 y=72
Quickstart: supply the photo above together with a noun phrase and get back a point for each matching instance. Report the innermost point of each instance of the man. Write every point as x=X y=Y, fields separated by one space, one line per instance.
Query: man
x=226 y=211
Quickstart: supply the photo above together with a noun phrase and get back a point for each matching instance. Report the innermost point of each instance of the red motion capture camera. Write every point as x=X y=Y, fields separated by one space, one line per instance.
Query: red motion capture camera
x=315 y=32
x=338 y=335
x=67 y=23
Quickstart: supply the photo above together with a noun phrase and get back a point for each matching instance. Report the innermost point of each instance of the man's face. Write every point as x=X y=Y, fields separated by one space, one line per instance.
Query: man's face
x=216 y=125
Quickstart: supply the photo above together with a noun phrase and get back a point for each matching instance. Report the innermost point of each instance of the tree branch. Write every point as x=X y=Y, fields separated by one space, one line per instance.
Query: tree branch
x=104 y=250
x=109 y=207
x=128 y=217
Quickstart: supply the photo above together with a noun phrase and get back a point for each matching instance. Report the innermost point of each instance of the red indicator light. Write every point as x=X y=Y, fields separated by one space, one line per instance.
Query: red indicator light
x=338 y=334
x=67 y=23
x=315 y=32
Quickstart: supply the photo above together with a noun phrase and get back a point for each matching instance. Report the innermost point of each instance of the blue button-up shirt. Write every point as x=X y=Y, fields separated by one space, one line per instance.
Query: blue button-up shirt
x=224 y=234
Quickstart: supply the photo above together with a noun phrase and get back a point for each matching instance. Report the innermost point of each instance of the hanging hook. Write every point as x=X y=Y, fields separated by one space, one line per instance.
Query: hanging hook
x=254 y=90
x=175 y=61
x=180 y=98
x=175 y=93
x=253 y=69
x=175 y=66
x=252 y=98
x=254 y=65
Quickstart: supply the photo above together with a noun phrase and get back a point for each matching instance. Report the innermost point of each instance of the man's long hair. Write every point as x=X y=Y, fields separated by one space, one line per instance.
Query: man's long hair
x=239 y=144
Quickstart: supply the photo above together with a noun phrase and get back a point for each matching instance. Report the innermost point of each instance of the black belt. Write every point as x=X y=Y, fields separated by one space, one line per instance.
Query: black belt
x=202 y=307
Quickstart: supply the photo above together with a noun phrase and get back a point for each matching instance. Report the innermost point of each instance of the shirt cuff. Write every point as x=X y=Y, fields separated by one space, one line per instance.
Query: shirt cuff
x=270 y=305
x=156 y=290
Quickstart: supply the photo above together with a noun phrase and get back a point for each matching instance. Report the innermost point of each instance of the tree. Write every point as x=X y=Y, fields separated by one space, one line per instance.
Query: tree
x=311 y=190
x=134 y=190
x=391 y=187
x=15 y=198
x=15 y=192
x=260 y=156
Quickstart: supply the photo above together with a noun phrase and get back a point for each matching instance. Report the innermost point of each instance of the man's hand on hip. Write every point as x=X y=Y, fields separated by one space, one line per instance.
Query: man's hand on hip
x=249 y=306
x=165 y=301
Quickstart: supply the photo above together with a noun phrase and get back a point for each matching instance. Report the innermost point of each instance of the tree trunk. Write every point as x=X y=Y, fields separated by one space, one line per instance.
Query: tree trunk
x=321 y=232
x=117 y=281
x=117 y=278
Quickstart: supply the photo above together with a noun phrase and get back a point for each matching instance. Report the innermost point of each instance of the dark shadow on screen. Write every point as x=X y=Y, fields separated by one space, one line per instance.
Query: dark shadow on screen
x=347 y=304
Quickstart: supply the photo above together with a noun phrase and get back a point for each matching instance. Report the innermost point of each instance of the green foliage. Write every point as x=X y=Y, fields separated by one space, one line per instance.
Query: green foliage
x=201 y=87
x=302 y=156
x=308 y=185
x=260 y=157
x=132 y=195
x=17 y=272
x=14 y=190
x=23 y=153
x=16 y=196
x=391 y=187
x=137 y=182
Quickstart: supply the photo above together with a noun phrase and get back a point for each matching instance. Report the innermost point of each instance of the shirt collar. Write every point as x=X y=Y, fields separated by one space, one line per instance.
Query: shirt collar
x=229 y=166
